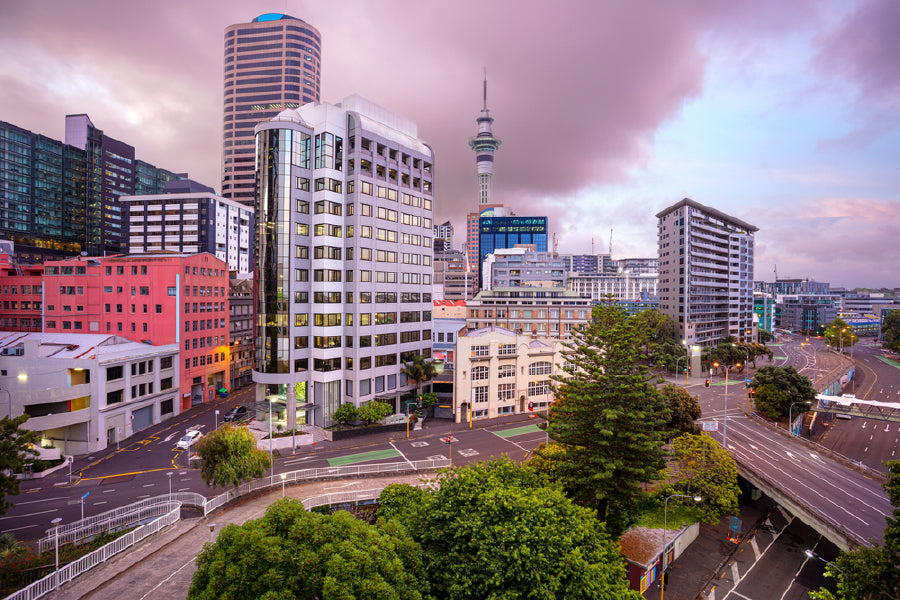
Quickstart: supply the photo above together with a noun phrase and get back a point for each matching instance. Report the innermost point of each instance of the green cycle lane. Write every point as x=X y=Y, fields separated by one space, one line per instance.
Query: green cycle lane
x=519 y=431
x=350 y=459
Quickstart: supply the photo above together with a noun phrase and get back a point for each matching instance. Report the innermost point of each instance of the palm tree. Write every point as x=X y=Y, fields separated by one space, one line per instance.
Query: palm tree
x=419 y=371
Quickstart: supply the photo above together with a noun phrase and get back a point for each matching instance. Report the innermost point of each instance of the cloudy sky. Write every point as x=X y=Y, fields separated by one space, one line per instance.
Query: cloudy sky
x=783 y=113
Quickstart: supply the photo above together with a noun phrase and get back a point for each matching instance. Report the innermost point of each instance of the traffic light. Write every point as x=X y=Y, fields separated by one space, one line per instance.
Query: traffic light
x=689 y=369
x=530 y=405
x=747 y=384
x=707 y=383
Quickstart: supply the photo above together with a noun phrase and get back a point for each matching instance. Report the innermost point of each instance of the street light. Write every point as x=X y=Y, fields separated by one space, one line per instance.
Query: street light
x=812 y=554
x=56 y=523
x=212 y=528
x=170 y=482
x=662 y=560
x=725 y=417
x=790 y=420
x=216 y=420
x=283 y=477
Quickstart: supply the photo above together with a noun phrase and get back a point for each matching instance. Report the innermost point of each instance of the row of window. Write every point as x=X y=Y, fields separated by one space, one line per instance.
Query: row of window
x=203 y=342
x=506 y=392
x=334 y=275
x=26 y=289
x=365 y=341
x=202 y=361
x=380 y=318
x=482 y=373
x=365 y=231
x=364 y=297
x=137 y=368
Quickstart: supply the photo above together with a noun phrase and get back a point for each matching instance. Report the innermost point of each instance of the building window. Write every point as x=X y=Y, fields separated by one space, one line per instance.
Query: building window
x=481 y=350
x=480 y=373
x=505 y=371
x=114 y=397
x=113 y=373
x=480 y=394
x=538 y=388
x=506 y=392
x=507 y=350
x=540 y=368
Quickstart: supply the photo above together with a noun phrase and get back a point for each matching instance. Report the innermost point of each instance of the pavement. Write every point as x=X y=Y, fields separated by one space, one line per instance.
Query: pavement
x=162 y=565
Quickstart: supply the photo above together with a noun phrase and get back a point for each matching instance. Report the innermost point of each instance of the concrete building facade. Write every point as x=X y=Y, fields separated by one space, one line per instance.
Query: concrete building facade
x=622 y=286
x=705 y=272
x=498 y=372
x=189 y=218
x=523 y=266
x=537 y=312
x=86 y=392
x=343 y=276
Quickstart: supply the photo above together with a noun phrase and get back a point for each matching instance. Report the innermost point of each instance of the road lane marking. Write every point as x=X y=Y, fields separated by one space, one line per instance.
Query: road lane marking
x=168 y=578
x=735 y=574
x=44 y=500
x=755 y=548
x=43 y=512
x=362 y=457
x=403 y=455
x=99 y=503
x=19 y=528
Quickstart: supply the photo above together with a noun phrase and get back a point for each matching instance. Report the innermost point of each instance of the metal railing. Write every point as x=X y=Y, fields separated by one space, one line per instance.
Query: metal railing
x=75 y=568
x=169 y=507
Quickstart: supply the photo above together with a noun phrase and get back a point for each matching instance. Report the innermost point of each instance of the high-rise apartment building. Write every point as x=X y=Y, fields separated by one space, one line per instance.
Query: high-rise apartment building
x=271 y=63
x=189 y=218
x=344 y=258
x=705 y=272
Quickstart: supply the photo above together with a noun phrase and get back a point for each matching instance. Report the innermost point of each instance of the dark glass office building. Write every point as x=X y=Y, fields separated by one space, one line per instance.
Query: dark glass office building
x=495 y=233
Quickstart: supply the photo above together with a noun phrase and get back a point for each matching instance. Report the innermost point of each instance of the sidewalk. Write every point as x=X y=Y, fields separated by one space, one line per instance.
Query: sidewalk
x=162 y=565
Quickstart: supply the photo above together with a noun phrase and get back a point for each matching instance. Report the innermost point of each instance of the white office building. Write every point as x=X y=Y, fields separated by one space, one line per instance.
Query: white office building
x=190 y=218
x=705 y=273
x=344 y=257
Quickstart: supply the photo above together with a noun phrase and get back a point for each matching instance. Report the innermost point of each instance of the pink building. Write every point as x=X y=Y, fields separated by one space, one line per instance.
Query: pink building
x=20 y=296
x=155 y=298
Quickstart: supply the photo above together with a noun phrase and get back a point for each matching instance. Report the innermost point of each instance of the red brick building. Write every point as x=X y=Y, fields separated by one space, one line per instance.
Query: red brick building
x=21 y=296
x=155 y=298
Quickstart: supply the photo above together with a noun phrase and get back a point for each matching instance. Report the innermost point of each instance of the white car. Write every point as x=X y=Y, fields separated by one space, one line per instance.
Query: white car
x=188 y=439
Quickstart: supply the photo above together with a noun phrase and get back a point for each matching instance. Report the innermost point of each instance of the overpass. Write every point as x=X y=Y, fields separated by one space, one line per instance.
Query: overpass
x=840 y=499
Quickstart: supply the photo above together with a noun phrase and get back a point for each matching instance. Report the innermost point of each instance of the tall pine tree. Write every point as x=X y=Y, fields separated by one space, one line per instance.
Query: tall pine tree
x=608 y=417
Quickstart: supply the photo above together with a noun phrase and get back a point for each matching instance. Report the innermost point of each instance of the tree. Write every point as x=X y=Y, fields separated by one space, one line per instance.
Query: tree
x=608 y=418
x=346 y=413
x=666 y=355
x=419 y=371
x=871 y=573
x=765 y=336
x=683 y=408
x=501 y=530
x=706 y=469
x=373 y=410
x=890 y=330
x=15 y=450
x=840 y=335
x=293 y=554
x=229 y=456
x=787 y=386
x=403 y=502
x=654 y=328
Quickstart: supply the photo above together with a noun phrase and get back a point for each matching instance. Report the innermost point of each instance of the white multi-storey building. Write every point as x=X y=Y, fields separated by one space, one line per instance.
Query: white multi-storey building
x=344 y=257
x=705 y=272
x=84 y=392
x=498 y=372
x=622 y=286
x=190 y=218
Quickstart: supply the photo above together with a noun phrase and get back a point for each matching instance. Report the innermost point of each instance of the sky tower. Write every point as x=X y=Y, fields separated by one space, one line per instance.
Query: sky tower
x=484 y=144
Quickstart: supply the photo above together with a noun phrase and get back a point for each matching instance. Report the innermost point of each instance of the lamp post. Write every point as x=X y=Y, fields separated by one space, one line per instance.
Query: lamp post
x=662 y=560
x=86 y=494
x=790 y=413
x=216 y=420
x=687 y=364
x=271 y=453
x=170 y=482
x=56 y=523
x=677 y=360
x=812 y=554
x=212 y=528
x=283 y=477
x=725 y=416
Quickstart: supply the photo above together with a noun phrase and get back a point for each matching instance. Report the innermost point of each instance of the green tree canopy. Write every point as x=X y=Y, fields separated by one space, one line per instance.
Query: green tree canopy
x=683 y=409
x=787 y=386
x=705 y=469
x=419 y=370
x=890 y=330
x=346 y=413
x=294 y=554
x=871 y=573
x=373 y=410
x=499 y=530
x=655 y=327
x=839 y=334
x=229 y=456
x=15 y=451
x=765 y=336
x=608 y=418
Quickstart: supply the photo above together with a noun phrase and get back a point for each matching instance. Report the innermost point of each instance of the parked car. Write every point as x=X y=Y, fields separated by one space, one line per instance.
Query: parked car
x=188 y=439
x=237 y=413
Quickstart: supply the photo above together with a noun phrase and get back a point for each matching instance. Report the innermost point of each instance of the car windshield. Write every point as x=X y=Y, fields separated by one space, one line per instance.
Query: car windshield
x=188 y=437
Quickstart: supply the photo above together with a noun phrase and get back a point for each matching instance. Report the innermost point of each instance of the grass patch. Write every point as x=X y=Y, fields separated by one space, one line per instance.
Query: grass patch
x=652 y=515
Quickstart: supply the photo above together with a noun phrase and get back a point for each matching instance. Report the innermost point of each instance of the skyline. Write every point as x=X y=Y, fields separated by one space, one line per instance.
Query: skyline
x=784 y=115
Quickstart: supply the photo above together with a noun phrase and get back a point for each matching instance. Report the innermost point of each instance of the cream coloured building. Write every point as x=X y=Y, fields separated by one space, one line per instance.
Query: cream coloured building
x=498 y=372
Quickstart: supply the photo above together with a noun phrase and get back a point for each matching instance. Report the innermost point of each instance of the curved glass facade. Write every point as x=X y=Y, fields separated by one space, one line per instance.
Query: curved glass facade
x=273 y=244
